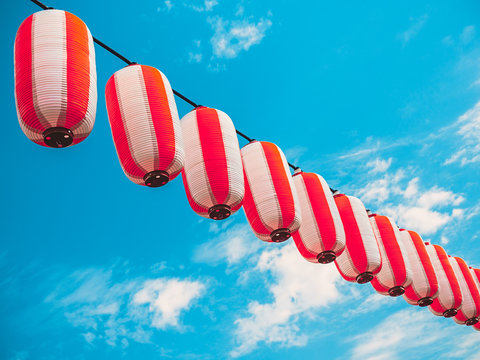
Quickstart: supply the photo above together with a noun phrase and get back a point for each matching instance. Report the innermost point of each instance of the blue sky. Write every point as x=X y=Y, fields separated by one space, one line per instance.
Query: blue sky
x=380 y=98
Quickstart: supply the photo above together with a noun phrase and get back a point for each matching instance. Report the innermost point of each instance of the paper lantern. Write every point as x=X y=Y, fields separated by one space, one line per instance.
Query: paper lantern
x=470 y=310
x=361 y=259
x=271 y=203
x=213 y=170
x=55 y=78
x=424 y=286
x=395 y=274
x=449 y=298
x=321 y=237
x=145 y=125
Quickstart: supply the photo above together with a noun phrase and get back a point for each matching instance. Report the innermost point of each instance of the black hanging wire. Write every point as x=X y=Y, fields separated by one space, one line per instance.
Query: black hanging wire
x=181 y=96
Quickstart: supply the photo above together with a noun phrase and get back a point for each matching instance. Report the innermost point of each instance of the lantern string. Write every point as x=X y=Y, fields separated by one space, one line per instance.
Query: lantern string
x=178 y=94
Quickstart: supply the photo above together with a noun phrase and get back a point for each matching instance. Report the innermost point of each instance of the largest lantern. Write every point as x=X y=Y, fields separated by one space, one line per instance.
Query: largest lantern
x=145 y=125
x=271 y=203
x=321 y=237
x=55 y=78
x=361 y=259
x=213 y=171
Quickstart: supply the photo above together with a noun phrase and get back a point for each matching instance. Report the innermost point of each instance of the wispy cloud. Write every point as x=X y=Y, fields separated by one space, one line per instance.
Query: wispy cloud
x=107 y=307
x=407 y=331
x=298 y=287
x=468 y=145
x=416 y=24
x=467 y=34
x=201 y=6
x=234 y=36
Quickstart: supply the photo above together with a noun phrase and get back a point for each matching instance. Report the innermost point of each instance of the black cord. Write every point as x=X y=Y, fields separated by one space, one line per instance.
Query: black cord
x=183 y=97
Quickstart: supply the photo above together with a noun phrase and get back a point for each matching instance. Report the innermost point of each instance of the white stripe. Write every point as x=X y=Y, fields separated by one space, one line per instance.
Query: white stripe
x=385 y=276
x=419 y=283
x=261 y=185
x=136 y=116
x=49 y=56
x=468 y=308
x=297 y=220
x=308 y=232
x=445 y=294
x=177 y=163
x=337 y=221
x=194 y=167
x=236 y=186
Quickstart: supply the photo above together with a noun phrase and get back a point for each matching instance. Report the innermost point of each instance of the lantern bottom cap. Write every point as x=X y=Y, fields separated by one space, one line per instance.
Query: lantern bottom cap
x=471 y=321
x=156 y=178
x=280 y=235
x=364 y=278
x=219 y=212
x=426 y=301
x=326 y=257
x=449 y=313
x=58 y=137
x=396 y=291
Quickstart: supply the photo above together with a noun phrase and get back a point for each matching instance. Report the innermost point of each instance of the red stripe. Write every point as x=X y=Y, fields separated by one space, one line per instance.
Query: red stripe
x=452 y=279
x=118 y=130
x=302 y=249
x=23 y=77
x=472 y=287
x=161 y=116
x=426 y=262
x=321 y=210
x=354 y=240
x=78 y=71
x=281 y=184
x=193 y=204
x=379 y=287
x=251 y=211
x=392 y=249
x=213 y=150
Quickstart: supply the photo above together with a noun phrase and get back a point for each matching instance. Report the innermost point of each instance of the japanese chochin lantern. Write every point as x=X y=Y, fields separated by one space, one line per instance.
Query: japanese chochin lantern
x=361 y=259
x=424 y=287
x=55 y=78
x=213 y=171
x=271 y=203
x=145 y=125
x=321 y=237
x=395 y=274
x=470 y=310
x=449 y=299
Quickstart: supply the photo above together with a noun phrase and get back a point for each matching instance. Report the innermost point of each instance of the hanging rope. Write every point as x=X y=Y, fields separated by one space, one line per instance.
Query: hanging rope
x=178 y=94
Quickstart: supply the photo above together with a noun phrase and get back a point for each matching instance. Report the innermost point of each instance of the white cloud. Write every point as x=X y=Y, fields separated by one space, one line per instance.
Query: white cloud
x=232 y=37
x=167 y=298
x=116 y=311
x=298 y=288
x=467 y=34
x=294 y=153
x=468 y=128
x=413 y=331
x=233 y=245
x=415 y=27
x=204 y=6
x=379 y=165
x=196 y=56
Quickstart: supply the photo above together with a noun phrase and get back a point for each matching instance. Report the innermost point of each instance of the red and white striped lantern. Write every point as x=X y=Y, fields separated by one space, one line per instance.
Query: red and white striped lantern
x=470 y=310
x=361 y=259
x=395 y=274
x=213 y=171
x=449 y=298
x=321 y=237
x=55 y=78
x=424 y=286
x=145 y=125
x=271 y=203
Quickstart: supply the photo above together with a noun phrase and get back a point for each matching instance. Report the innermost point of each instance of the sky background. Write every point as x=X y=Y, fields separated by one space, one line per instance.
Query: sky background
x=380 y=98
